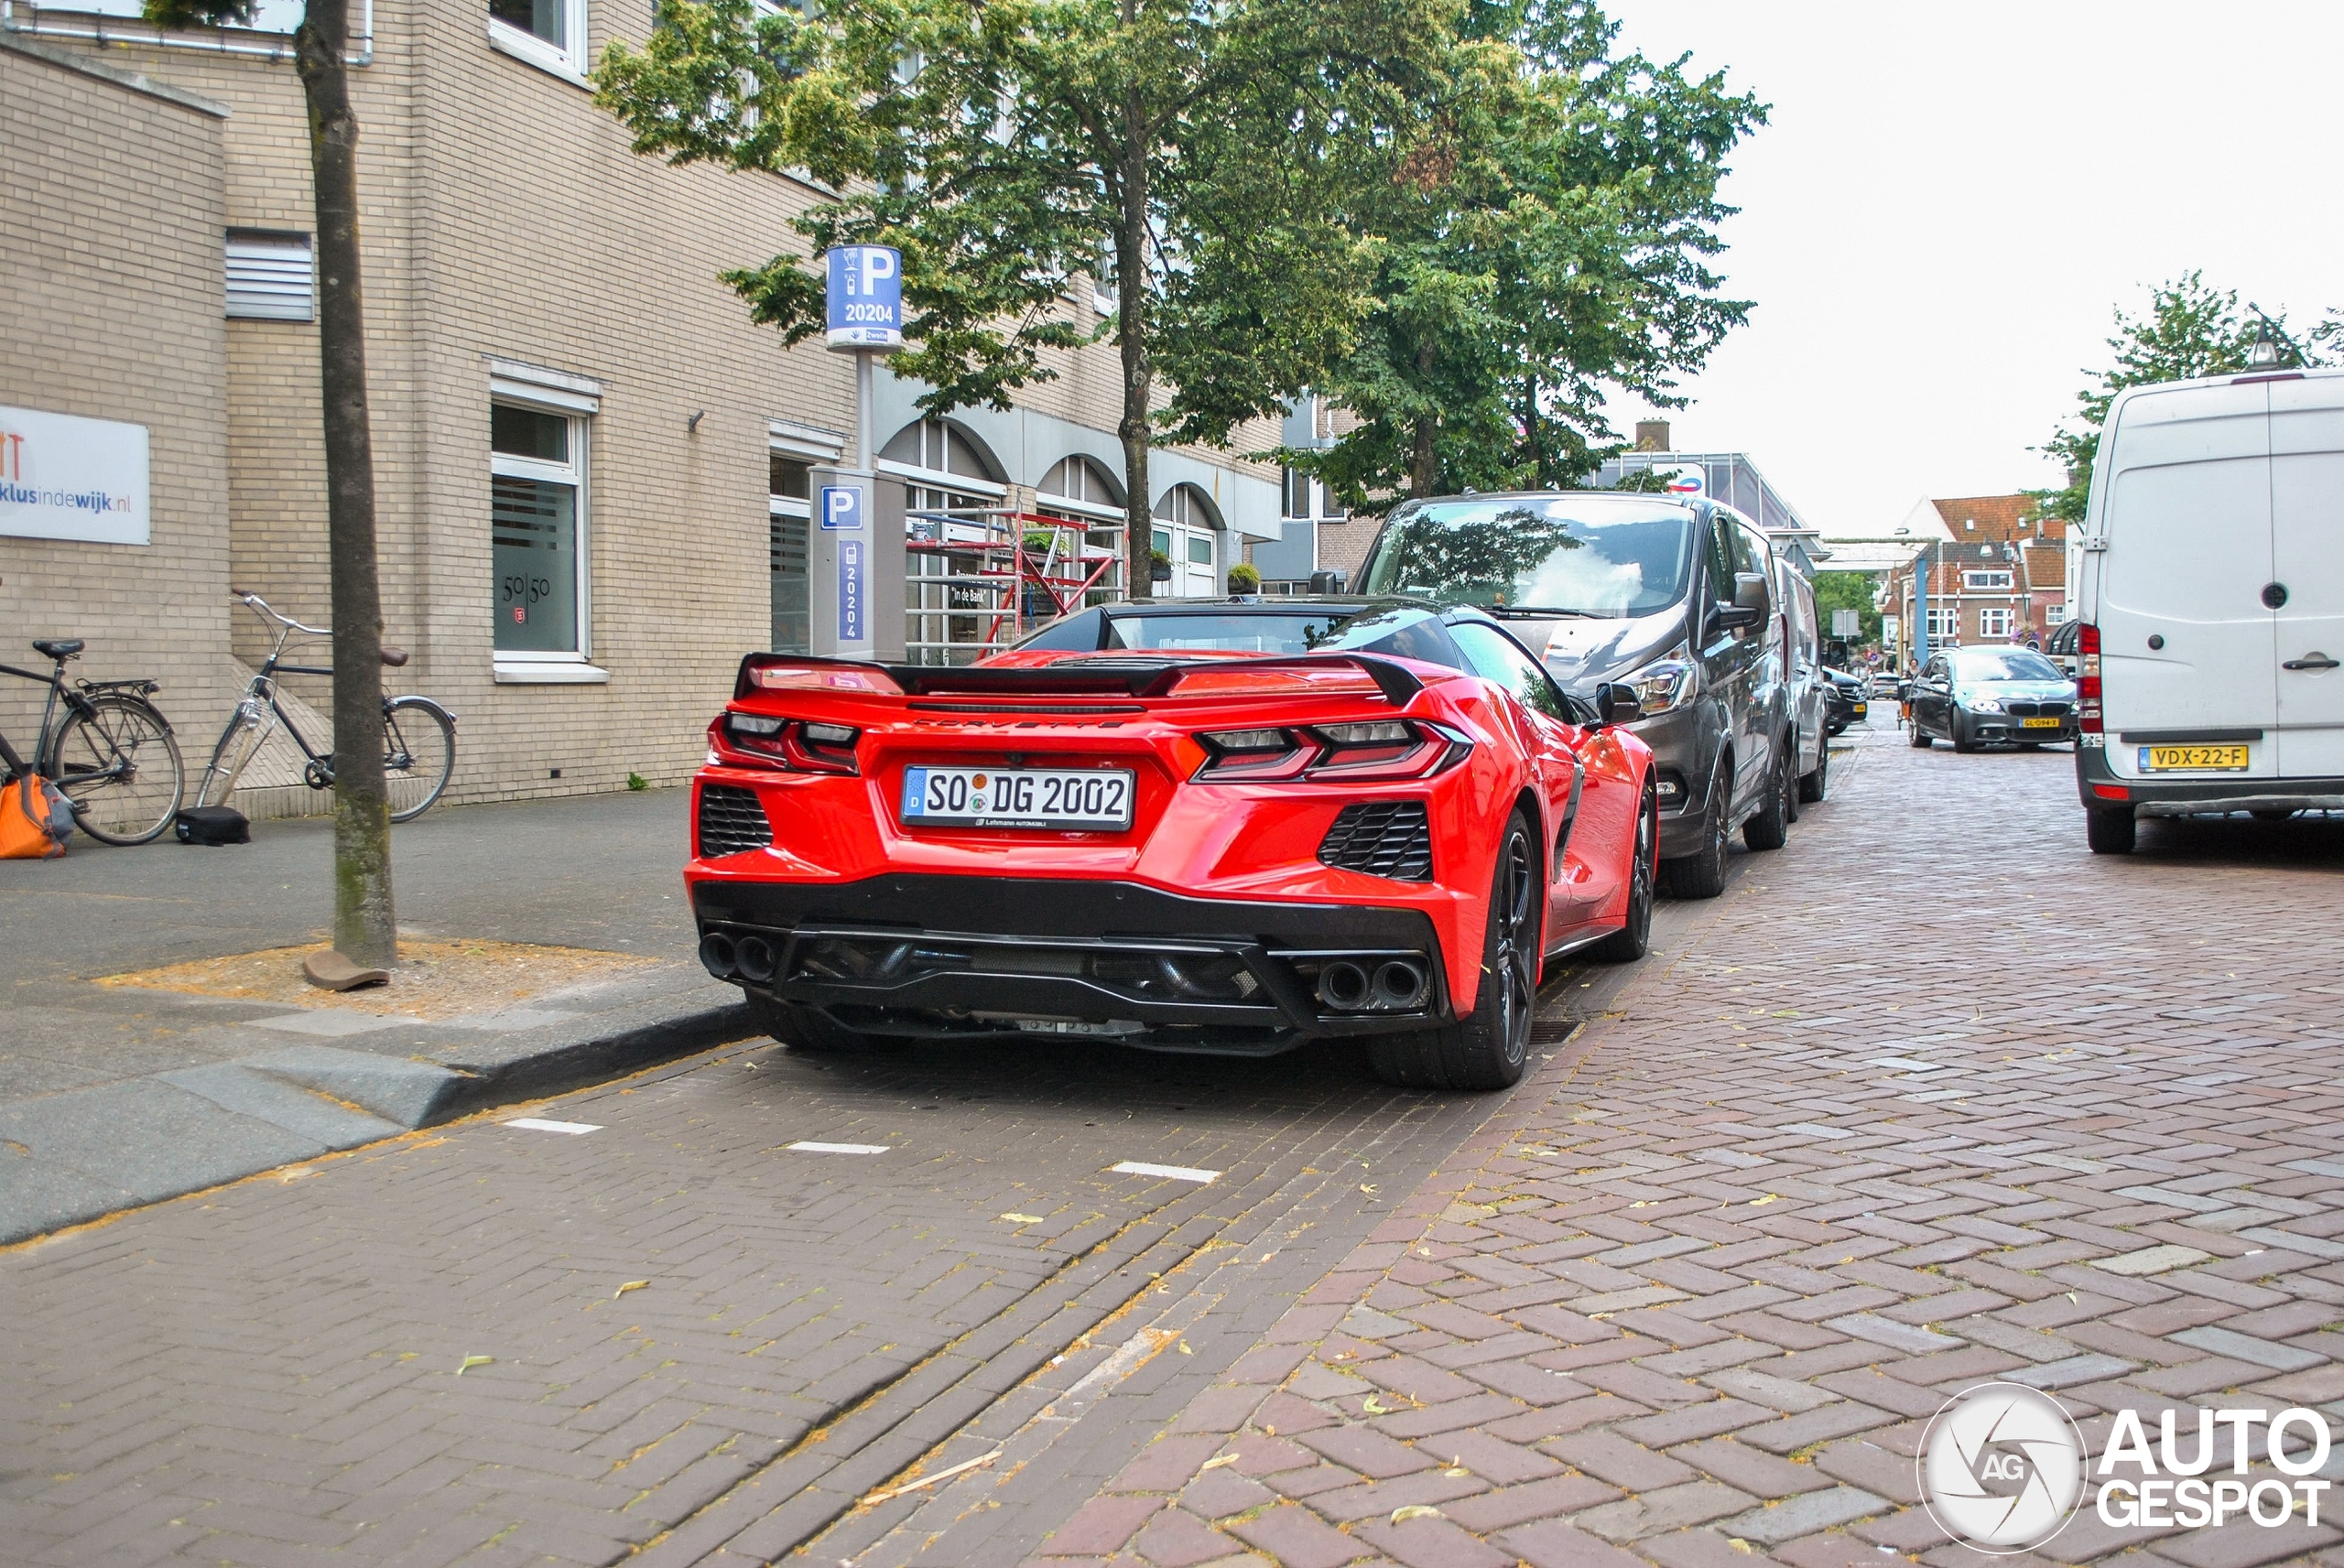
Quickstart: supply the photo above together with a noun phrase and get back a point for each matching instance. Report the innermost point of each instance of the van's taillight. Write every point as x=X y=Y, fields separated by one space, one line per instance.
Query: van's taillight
x=2087 y=679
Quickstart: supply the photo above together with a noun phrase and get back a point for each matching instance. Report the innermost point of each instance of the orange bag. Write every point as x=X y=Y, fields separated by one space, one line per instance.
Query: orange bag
x=35 y=819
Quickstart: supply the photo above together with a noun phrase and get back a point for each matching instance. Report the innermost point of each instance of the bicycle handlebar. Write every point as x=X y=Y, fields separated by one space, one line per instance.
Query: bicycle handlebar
x=260 y=606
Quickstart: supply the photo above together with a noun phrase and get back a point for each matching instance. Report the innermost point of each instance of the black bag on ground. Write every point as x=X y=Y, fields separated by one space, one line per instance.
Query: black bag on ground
x=212 y=825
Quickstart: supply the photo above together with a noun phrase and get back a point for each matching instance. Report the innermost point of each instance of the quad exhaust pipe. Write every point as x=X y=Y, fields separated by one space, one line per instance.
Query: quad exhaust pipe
x=1395 y=985
x=730 y=957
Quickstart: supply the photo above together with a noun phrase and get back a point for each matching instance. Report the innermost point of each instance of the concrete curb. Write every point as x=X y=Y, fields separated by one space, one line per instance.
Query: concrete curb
x=67 y=1159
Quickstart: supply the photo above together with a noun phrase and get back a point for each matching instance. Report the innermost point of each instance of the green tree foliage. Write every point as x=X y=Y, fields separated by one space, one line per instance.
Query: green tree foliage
x=1189 y=157
x=1546 y=230
x=2191 y=329
x=1848 y=590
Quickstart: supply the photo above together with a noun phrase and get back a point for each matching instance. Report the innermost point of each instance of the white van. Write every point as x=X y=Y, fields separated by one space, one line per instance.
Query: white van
x=2211 y=600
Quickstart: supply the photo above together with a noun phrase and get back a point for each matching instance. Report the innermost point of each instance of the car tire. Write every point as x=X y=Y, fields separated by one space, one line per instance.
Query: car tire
x=1921 y=737
x=2111 y=830
x=1958 y=733
x=1770 y=827
x=1633 y=940
x=1813 y=787
x=804 y=1028
x=1488 y=1049
x=1701 y=874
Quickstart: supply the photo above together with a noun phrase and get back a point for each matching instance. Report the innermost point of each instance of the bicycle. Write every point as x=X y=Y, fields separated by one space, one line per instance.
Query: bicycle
x=418 y=735
x=111 y=752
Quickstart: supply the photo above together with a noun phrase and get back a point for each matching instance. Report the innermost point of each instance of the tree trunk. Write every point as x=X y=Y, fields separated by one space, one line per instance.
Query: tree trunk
x=366 y=928
x=1423 y=468
x=1139 y=370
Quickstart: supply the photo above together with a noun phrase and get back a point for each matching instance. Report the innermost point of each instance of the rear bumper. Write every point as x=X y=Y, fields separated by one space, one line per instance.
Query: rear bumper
x=959 y=955
x=2190 y=798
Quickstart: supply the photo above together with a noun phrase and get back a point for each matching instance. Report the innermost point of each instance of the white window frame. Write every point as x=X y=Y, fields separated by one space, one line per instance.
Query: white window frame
x=578 y=399
x=1993 y=621
x=1985 y=582
x=1945 y=621
x=2053 y=614
x=566 y=60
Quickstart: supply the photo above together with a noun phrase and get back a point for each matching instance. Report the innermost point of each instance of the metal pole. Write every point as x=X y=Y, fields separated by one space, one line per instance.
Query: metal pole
x=864 y=458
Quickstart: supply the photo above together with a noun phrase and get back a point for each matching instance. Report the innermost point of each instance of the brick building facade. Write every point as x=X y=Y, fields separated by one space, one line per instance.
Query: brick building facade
x=565 y=398
x=1994 y=574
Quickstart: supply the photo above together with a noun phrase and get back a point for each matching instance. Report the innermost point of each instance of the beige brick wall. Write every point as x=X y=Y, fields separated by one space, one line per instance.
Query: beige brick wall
x=111 y=203
x=505 y=216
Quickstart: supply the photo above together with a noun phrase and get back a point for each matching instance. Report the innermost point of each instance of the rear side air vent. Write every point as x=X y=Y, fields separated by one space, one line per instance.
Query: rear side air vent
x=1383 y=839
x=730 y=820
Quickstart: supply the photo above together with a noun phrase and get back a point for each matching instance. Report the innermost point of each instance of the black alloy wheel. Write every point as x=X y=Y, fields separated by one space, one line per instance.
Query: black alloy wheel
x=1957 y=732
x=1920 y=737
x=1633 y=940
x=1701 y=874
x=1814 y=786
x=1487 y=1050
x=1770 y=826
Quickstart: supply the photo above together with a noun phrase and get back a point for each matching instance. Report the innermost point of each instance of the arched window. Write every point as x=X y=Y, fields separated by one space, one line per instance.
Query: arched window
x=933 y=444
x=1081 y=490
x=1080 y=479
x=951 y=606
x=1187 y=531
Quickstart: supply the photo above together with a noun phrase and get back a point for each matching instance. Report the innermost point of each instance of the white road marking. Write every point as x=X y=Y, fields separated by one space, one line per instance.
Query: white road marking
x=1169 y=1173
x=539 y=1124
x=810 y=1148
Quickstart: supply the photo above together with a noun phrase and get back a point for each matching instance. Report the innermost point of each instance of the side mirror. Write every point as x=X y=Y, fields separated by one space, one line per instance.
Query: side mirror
x=1617 y=704
x=1325 y=582
x=1750 y=593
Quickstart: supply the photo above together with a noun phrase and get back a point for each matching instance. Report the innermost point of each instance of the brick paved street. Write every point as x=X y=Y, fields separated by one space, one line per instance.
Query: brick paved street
x=1932 y=1095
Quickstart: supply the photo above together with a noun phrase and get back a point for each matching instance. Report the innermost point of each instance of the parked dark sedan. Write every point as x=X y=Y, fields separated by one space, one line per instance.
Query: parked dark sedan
x=1976 y=696
x=1845 y=699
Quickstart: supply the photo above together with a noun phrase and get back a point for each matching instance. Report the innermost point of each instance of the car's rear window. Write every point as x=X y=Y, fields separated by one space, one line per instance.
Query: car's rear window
x=2004 y=663
x=1242 y=633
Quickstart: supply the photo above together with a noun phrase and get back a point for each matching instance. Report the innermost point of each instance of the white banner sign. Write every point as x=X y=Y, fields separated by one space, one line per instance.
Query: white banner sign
x=63 y=477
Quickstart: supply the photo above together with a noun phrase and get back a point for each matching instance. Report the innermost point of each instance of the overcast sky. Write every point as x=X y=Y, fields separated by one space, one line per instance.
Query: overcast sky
x=1950 y=199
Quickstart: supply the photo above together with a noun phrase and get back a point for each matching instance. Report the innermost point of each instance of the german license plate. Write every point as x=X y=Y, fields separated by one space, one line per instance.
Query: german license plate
x=2193 y=759
x=1092 y=799
x=2039 y=723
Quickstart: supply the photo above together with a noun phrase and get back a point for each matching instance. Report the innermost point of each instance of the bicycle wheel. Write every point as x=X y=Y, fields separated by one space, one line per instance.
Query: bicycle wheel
x=418 y=755
x=120 y=767
x=248 y=729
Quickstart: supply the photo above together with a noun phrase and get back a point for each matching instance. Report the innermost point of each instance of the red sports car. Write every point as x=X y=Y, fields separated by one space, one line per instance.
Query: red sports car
x=1223 y=826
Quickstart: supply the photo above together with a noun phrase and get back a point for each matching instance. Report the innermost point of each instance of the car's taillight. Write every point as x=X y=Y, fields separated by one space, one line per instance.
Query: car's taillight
x=1363 y=753
x=796 y=743
x=2087 y=679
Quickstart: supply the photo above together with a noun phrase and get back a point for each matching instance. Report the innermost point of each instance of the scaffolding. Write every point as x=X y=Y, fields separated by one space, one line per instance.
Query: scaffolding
x=979 y=578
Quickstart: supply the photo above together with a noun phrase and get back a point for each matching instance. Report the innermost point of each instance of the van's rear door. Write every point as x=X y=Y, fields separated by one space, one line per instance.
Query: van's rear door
x=2188 y=553
x=2307 y=545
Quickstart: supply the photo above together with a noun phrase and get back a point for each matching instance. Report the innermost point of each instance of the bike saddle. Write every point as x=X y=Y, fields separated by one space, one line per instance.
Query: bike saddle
x=395 y=657
x=58 y=647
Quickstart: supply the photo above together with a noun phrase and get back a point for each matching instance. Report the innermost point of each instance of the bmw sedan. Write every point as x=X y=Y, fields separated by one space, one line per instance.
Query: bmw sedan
x=1980 y=697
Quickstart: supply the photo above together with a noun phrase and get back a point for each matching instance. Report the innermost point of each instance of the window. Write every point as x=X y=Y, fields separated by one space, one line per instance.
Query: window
x=549 y=34
x=271 y=277
x=1993 y=622
x=1943 y=622
x=1189 y=537
x=1985 y=581
x=2053 y=614
x=537 y=520
x=788 y=503
x=1496 y=656
x=1307 y=499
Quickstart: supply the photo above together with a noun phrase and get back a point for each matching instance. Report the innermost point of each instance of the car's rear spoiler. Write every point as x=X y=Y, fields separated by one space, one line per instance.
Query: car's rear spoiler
x=1084 y=677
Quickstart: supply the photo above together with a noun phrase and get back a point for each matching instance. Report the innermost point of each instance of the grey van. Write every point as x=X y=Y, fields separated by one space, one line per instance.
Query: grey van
x=1672 y=597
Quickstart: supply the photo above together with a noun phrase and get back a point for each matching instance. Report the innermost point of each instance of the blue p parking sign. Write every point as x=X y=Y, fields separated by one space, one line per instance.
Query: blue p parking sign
x=866 y=296
x=843 y=508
